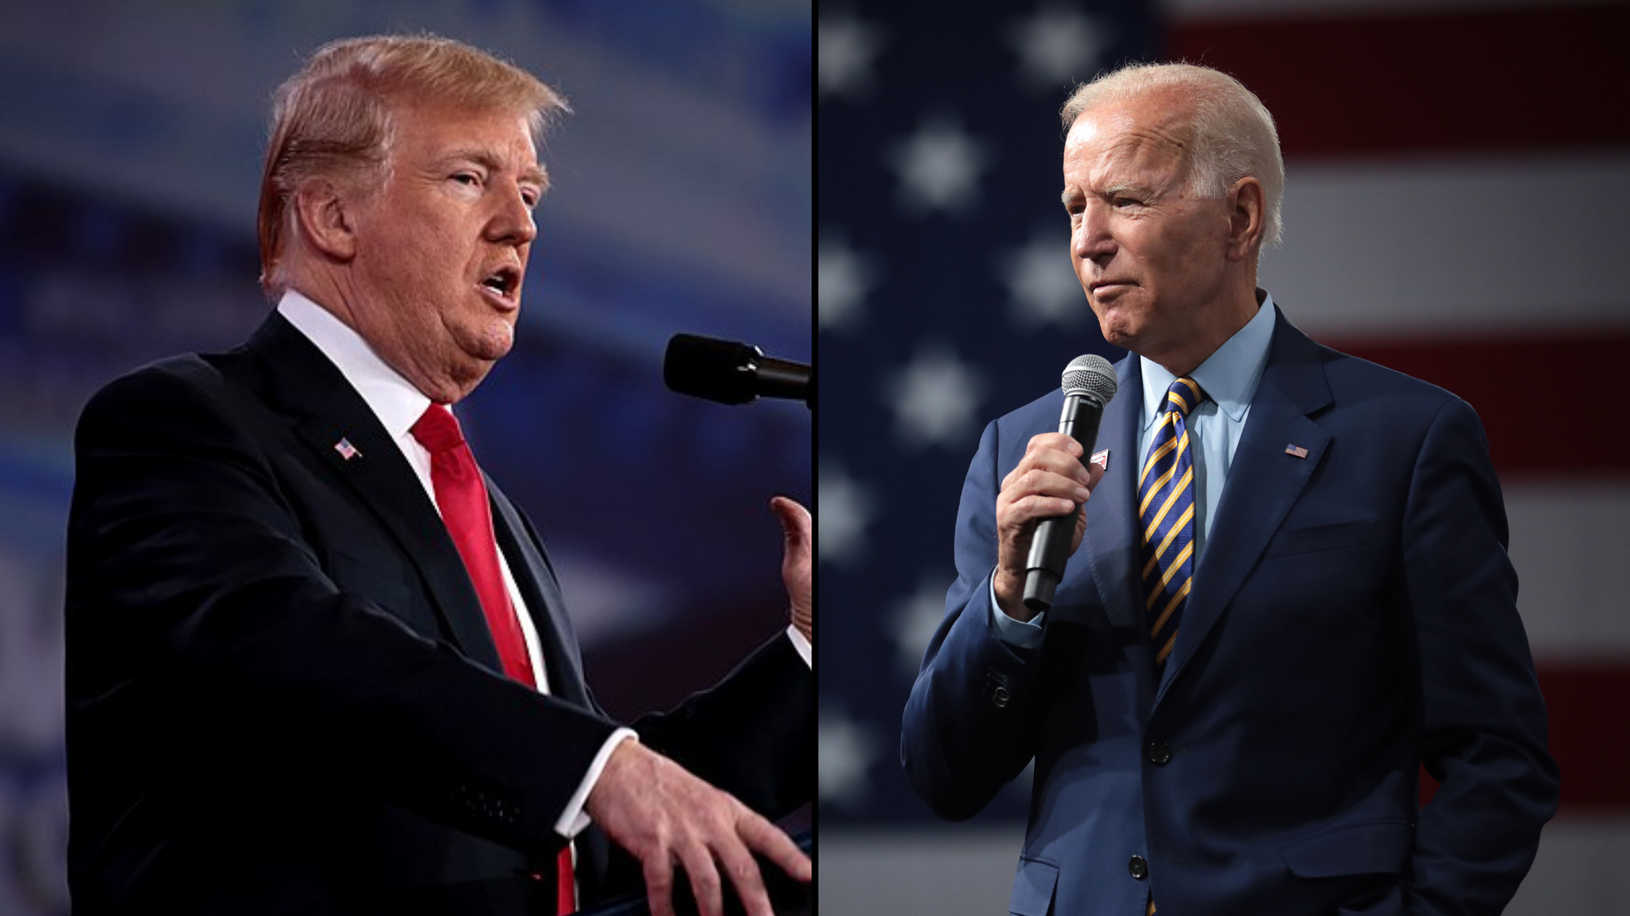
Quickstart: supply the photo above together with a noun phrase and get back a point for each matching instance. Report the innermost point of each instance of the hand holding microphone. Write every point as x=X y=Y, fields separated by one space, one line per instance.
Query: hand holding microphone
x=1040 y=515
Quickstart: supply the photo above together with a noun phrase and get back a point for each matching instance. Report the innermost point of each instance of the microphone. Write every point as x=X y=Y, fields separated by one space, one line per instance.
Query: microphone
x=1089 y=383
x=733 y=373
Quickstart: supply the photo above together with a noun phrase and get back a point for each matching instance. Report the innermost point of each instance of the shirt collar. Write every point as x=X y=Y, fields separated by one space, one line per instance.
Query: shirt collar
x=392 y=398
x=1228 y=376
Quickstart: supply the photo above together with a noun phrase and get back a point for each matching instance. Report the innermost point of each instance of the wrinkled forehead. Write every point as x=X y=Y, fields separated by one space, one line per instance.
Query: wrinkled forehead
x=1149 y=131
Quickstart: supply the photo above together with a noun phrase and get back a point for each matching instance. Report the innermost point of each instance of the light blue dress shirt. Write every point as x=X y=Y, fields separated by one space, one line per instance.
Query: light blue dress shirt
x=1229 y=378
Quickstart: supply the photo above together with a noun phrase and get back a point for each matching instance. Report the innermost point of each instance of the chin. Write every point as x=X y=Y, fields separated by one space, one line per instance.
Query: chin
x=499 y=349
x=493 y=342
x=1116 y=334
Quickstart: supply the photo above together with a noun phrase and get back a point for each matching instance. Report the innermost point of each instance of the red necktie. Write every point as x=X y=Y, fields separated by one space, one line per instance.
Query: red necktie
x=462 y=497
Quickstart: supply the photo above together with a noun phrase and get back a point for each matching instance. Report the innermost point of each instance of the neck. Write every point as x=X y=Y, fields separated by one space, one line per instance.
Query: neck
x=1218 y=324
x=337 y=296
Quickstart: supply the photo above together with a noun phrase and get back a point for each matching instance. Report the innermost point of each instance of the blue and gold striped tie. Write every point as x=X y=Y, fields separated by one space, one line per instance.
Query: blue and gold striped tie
x=1166 y=509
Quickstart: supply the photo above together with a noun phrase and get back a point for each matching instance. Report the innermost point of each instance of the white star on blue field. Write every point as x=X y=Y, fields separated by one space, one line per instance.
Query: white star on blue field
x=945 y=299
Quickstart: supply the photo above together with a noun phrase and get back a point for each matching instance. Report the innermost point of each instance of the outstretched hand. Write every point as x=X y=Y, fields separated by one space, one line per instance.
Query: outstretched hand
x=796 y=562
x=664 y=816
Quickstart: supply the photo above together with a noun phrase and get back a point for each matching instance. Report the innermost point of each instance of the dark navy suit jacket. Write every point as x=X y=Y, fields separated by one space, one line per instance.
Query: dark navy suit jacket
x=1353 y=616
x=282 y=693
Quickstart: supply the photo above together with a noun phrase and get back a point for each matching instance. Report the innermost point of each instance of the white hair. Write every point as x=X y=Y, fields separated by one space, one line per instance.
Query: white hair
x=1233 y=133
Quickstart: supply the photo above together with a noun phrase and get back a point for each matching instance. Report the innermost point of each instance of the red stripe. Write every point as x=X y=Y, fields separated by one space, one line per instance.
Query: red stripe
x=1589 y=711
x=1550 y=404
x=1497 y=80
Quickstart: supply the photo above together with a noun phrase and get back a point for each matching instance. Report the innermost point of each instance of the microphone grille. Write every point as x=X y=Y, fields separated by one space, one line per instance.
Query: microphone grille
x=1090 y=376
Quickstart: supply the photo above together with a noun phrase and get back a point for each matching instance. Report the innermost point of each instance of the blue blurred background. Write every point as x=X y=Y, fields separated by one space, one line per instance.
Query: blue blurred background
x=131 y=138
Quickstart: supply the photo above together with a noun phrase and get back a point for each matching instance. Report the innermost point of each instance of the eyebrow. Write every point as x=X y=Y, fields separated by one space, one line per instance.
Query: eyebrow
x=1137 y=188
x=534 y=174
x=1070 y=194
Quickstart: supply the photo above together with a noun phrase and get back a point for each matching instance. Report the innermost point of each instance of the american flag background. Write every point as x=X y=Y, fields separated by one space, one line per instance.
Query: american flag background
x=1457 y=207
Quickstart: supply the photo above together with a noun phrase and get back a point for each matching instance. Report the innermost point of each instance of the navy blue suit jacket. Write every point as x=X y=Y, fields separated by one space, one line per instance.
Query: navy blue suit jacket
x=1353 y=616
x=282 y=693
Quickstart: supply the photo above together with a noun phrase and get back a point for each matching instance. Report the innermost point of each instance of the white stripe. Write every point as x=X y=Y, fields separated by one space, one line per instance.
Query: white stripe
x=1459 y=246
x=1579 y=869
x=928 y=873
x=1569 y=541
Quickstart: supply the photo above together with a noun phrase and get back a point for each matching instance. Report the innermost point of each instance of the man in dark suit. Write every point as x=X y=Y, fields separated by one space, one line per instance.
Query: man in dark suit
x=1287 y=592
x=318 y=663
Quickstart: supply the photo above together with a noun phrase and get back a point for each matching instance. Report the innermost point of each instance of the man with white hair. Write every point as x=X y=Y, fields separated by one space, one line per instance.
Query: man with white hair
x=1287 y=592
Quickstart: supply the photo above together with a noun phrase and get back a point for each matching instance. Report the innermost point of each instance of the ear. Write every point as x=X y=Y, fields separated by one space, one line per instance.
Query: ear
x=325 y=218
x=1246 y=209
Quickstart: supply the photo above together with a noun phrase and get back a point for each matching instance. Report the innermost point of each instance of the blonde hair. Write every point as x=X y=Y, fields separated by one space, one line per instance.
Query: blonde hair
x=334 y=117
x=1233 y=133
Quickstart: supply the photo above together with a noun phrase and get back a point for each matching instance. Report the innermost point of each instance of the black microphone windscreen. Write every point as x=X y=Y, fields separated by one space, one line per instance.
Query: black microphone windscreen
x=719 y=370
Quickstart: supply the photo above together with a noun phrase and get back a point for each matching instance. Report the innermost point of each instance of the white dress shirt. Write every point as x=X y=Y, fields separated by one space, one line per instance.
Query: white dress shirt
x=398 y=405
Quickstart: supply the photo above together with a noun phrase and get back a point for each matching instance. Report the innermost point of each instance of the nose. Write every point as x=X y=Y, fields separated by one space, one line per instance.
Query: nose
x=1091 y=239
x=512 y=223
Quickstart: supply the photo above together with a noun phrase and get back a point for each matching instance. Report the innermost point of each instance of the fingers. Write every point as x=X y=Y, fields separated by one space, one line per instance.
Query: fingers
x=665 y=816
x=1051 y=455
x=704 y=879
x=703 y=854
x=659 y=885
x=702 y=865
x=774 y=844
x=798 y=531
x=1057 y=442
x=795 y=522
x=1096 y=472
x=797 y=562
x=744 y=875
x=755 y=834
x=1049 y=480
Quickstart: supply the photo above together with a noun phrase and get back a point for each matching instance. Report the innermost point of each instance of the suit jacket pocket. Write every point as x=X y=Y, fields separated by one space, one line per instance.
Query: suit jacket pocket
x=1378 y=847
x=1033 y=887
x=1293 y=541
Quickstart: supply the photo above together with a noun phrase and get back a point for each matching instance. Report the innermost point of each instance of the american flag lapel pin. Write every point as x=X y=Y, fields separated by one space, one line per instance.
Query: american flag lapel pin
x=1296 y=450
x=347 y=450
x=1101 y=459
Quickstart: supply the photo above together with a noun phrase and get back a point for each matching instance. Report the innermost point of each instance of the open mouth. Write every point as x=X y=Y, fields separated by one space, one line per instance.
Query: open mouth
x=503 y=282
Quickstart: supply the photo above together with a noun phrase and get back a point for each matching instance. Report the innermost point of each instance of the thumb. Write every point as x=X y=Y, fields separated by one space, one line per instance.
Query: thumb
x=796 y=524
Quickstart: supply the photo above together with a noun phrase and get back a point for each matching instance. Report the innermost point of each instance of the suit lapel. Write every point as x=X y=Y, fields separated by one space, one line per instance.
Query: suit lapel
x=301 y=382
x=541 y=591
x=1110 y=541
x=1264 y=481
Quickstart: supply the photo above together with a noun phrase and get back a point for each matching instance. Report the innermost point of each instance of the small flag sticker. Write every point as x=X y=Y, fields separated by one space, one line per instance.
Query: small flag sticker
x=347 y=450
x=1101 y=459
x=1296 y=450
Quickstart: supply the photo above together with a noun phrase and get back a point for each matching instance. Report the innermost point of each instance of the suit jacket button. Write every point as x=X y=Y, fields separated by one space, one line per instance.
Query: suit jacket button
x=1159 y=753
x=1138 y=868
x=999 y=697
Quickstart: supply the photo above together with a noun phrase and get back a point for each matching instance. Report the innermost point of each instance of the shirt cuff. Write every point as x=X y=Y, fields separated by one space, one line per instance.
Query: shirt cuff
x=574 y=818
x=1024 y=634
x=806 y=649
